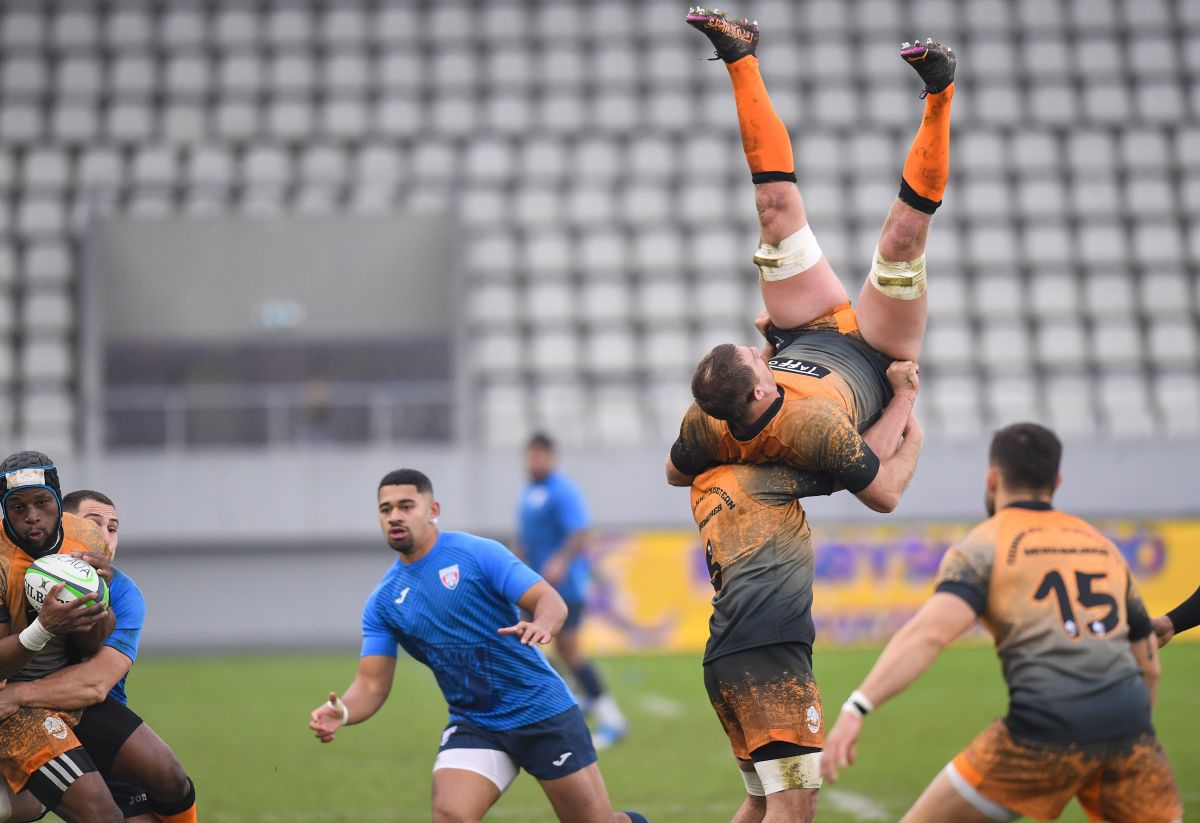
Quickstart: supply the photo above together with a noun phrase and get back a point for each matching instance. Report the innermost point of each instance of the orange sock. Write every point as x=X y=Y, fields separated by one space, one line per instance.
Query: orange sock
x=928 y=163
x=186 y=816
x=764 y=137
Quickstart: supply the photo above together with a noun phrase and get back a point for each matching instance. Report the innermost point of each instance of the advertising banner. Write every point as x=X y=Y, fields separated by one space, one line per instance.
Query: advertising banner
x=651 y=589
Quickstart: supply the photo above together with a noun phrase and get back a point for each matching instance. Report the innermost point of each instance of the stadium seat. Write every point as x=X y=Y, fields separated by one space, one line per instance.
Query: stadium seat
x=323 y=164
x=132 y=77
x=1047 y=243
x=663 y=301
x=1177 y=395
x=956 y=408
x=1053 y=294
x=1164 y=294
x=24 y=30
x=1070 y=405
x=505 y=351
x=1172 y=343
x=605 y=252
x=47 y=313
x=182 y=26
x=617 y=417
x=610 y=352
x=1060 y=344
x=549 y=303
x=561 y=407
x=23 y=77
x=1004 y=347
x=45 y=170
x=1117 y=344
x=155 y=166
x=1124 y=406
x=345 y=25
x=20 y=123
x=667 y=352
x=75 y=30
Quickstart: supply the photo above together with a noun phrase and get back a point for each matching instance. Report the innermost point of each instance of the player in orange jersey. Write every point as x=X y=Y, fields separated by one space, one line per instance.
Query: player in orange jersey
x=38 y=747
x=826 y=365
x=1077 y=649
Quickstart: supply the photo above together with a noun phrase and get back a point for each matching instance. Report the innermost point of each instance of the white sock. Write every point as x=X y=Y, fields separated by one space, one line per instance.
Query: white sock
x=605 y=710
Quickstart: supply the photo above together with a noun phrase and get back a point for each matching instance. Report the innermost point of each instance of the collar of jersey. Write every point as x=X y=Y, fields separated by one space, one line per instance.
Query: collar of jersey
x=1031 y=505
x=761 y=423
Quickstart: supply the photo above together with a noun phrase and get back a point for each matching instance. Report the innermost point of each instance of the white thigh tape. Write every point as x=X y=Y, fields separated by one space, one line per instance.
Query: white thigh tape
x=754 y=786
x=798 y=772
x=899 y=280
x=795 y=254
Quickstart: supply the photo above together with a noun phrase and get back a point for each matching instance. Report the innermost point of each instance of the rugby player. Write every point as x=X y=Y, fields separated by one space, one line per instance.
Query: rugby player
x=553 y=530
x=826 y=383
x=38 y=747
x=1181 y=618
x=117 y=739
x=1077 y=650
x=451 y=600
x=758 y=659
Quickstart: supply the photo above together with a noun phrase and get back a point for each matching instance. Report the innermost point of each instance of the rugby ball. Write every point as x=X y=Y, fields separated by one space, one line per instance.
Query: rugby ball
x=77 y=576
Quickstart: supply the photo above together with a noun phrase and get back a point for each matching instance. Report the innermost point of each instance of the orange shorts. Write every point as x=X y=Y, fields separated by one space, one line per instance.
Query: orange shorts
x=30 y=738
x=1128 y=781
x=766 y=695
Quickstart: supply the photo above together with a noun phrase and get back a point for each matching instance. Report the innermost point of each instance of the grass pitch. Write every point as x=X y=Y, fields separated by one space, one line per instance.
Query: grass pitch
x=239 y=725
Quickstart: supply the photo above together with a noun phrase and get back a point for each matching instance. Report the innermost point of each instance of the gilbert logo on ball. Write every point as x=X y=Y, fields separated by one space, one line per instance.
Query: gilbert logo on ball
x=77 y=577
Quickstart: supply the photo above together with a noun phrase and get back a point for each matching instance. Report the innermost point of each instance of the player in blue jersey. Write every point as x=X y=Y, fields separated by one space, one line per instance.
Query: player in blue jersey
x=451 y=601
x=116 y=738
x=554 y=524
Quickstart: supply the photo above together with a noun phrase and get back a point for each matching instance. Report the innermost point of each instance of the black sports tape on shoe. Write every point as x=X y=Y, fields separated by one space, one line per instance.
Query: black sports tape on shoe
x=773 y=177
x=909 y=196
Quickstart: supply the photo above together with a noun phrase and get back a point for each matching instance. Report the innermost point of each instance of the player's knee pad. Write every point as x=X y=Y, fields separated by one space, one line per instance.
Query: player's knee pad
x=899 y=280
x=802 y=771
x=795 y=254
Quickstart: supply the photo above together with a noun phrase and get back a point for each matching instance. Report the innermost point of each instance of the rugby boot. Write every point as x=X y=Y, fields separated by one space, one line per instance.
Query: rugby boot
x=733 y=39
x=933 y=61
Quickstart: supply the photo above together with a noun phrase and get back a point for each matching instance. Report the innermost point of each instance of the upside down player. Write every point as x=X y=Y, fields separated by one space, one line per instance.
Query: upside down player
x=119 y=742
x=1078 y=654
x=451 y=601
x=826 y=383
x=38 y=747
x=758 y=660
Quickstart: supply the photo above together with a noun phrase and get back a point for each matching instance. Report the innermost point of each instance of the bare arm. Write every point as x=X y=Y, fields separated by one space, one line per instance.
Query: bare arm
x=884 y=436
x=1145 y=652
x=57 y=618
x=89 y=643
x=896 y=472
x=908 y=654
x=549 y=612
x=74 y=687
x=677 y=478
x=365 y=696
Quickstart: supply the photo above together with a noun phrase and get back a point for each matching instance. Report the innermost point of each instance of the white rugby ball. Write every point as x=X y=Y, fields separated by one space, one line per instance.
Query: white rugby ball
x=77 y=576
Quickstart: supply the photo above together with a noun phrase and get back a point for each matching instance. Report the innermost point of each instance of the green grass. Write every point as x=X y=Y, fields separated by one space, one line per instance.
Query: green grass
x=239 y=725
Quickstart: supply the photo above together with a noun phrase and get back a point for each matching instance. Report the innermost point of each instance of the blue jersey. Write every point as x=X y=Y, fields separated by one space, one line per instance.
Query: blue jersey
x=445 y=610
x=129 y=609
x=551 y=510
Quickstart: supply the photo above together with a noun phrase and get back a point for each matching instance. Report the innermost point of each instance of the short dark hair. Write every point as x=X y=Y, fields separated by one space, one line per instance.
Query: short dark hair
x=723 y=385
x=1028 y=456
x=541 y=440
x=73 y=500
x=407 y=477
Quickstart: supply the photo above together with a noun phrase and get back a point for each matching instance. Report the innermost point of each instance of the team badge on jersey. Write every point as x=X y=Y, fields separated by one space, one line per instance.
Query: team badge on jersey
x=55 y=727
x=449 y=576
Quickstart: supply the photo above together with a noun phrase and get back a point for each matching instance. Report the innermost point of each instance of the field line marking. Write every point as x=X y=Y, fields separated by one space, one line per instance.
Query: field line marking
x=852 y=803
x=660 y=705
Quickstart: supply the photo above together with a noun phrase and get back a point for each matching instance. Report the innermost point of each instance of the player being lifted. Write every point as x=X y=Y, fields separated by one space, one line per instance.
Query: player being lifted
x=1077 y=650
x=827 y=380
x=451 y=601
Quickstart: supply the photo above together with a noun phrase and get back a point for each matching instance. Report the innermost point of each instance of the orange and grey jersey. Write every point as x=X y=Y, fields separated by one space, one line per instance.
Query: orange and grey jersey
x=832 y=386
x=79 y=535
x=1060 y=603
x=759 y=552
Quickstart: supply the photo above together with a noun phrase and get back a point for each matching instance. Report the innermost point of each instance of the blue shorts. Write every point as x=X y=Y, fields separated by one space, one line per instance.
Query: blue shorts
x=555 y=747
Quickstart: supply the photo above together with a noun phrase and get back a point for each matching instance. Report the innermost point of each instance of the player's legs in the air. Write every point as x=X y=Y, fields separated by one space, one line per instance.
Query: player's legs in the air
x=798 y=283
x=600 y=704
x=892 y=306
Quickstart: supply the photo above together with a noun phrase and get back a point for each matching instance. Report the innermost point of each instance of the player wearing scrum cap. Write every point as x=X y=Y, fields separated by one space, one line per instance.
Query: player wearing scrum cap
x=119 y=742
x=822 y=380
x=451 y=600
x=38 y=747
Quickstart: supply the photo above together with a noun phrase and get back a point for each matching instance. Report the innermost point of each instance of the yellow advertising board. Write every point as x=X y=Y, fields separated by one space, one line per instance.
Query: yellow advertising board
x=651 y=589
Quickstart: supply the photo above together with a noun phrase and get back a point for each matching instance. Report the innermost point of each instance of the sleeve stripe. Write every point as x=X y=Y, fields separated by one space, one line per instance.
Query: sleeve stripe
x=968 y=594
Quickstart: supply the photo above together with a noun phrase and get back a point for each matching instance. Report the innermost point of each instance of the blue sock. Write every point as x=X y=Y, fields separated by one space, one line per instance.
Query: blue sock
x=634 y=817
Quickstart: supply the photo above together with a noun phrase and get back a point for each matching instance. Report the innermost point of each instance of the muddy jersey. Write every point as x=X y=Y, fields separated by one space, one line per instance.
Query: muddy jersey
x=79 y=535
x=832 y=387
x=758 y=547
x=1060 y=603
